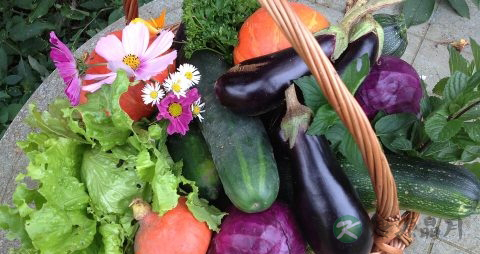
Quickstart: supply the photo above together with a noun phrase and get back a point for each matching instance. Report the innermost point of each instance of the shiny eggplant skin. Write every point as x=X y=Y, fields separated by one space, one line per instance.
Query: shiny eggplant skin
x=257 y=85
x=367 y=44
x=322 y=193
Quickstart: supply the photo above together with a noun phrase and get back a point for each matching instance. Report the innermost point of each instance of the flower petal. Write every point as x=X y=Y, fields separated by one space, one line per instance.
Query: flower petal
x=110 y=48
x=61 y=47
x=154 y=66
x=95 y=86
x=116 y=65
x=98 y=76
x=135 y=39
x=73 y=91
x=161 y=44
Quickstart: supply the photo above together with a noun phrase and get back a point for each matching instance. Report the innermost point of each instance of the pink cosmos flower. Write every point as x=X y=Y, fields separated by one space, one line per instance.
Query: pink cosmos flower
x=133 y=54
x=177 y=111
x=66 y=64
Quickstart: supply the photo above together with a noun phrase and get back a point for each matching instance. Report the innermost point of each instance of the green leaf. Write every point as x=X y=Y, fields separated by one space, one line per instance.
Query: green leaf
x=440 y=86
x=393 y=123
x=457 y=62
x=123 y=185
x=3 y=63
x=38 y=67
x=93 y=4
x=26 y=200
x=350 y=150
x=41 y=10
x=145 y=166
x=460 y=7
x=470 y=153
x=3 y=115
x=56 y=231
x=24 y=4
x=450 y=130
x=336 y=134
x=312 y=93
x=11 y=221
x=474 y=168
x=325 y=118
x=473 y=130
x=13 y=110
x=71 y=12
x=417 y=12
x=401 y=143
x=12 y=79
x=455 y=86
x=442 y=151
x=164 y=184
x=112 y=237
x=355 y=73
x=439 y=129
x=476 y=52
x=23 y=31
x=201 y=210
x=108 y=130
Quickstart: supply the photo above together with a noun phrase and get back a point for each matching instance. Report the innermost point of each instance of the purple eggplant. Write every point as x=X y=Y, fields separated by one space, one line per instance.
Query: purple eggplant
x=257 y=85
x=327 y=207
x=367 y=44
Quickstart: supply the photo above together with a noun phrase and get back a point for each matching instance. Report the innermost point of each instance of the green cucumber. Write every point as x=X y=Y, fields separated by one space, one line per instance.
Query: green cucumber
x=395 y=34
x=239 y=144
x=430 y=187
x=197 y=161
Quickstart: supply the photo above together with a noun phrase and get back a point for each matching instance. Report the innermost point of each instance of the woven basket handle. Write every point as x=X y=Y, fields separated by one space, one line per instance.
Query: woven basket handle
x=130 y=8
x=388 y=233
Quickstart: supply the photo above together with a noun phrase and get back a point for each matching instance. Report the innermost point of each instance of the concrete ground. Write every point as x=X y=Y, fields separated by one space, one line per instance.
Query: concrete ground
x=426 y=52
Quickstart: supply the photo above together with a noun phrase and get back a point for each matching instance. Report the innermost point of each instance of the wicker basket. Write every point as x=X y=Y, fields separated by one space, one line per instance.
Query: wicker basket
x=392 y=231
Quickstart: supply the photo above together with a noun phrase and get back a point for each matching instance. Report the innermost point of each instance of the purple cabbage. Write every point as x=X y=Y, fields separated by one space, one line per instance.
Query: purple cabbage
x=270 y=231
x=392 y=86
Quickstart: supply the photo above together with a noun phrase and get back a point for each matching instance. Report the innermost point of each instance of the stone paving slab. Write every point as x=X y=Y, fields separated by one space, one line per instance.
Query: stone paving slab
x=425 y=51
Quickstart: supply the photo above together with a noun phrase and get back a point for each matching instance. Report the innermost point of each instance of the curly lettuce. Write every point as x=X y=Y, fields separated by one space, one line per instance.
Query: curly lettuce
x=89 y=163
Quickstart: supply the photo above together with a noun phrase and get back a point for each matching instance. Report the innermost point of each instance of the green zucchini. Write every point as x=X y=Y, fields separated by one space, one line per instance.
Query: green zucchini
x=197 y=161
x=435 y=188
x=239 y=144
x=395 y=34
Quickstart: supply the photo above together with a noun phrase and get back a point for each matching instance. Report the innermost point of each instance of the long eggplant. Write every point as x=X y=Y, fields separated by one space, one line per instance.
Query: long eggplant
x=257 y=85
x=367 y=44
x=328 y=209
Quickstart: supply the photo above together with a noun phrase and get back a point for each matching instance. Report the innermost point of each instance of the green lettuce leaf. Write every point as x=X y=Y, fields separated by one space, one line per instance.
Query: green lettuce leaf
x=111 y=183
x=11 y=221
x=112 y=235
x=103 y=117
x=53 y=230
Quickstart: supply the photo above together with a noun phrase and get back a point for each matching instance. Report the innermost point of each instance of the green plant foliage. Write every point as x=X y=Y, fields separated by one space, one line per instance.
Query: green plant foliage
x=24 y=47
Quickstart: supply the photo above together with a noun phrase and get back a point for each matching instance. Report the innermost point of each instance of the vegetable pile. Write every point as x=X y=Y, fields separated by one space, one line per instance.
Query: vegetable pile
x=258 y=139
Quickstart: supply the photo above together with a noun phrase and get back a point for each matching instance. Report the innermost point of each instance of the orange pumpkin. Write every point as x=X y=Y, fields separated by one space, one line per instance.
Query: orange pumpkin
x=176 y=232
x=131 y=101
x=259 y=35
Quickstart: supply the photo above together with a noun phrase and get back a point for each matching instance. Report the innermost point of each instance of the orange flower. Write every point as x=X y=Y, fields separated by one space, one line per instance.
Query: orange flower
x=154 y=25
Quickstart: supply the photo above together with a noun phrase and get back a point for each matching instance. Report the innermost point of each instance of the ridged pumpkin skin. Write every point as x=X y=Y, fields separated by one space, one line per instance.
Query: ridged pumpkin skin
x=131 y=102
x=259 y=35
x=176 y=232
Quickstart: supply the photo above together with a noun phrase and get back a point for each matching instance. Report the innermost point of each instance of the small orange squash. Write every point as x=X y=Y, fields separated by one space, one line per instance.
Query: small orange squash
x=131 y=101
x=259 y=35
x=176 y=232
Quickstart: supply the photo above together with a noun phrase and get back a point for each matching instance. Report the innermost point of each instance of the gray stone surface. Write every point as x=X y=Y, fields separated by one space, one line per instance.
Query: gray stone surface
x=426 y=51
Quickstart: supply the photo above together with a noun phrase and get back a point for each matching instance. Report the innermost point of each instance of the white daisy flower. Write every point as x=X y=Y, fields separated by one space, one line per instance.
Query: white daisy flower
x=177 y=84
x=152 y=93
x=197 y=109
x=190 y=72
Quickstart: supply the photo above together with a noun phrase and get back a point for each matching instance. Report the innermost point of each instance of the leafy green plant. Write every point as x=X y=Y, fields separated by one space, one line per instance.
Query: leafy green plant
x=24 y=47
x=417 y=12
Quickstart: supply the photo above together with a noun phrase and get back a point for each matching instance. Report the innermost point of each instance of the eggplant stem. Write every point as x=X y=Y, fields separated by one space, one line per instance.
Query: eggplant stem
x=361 y=8
x=297 y=118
